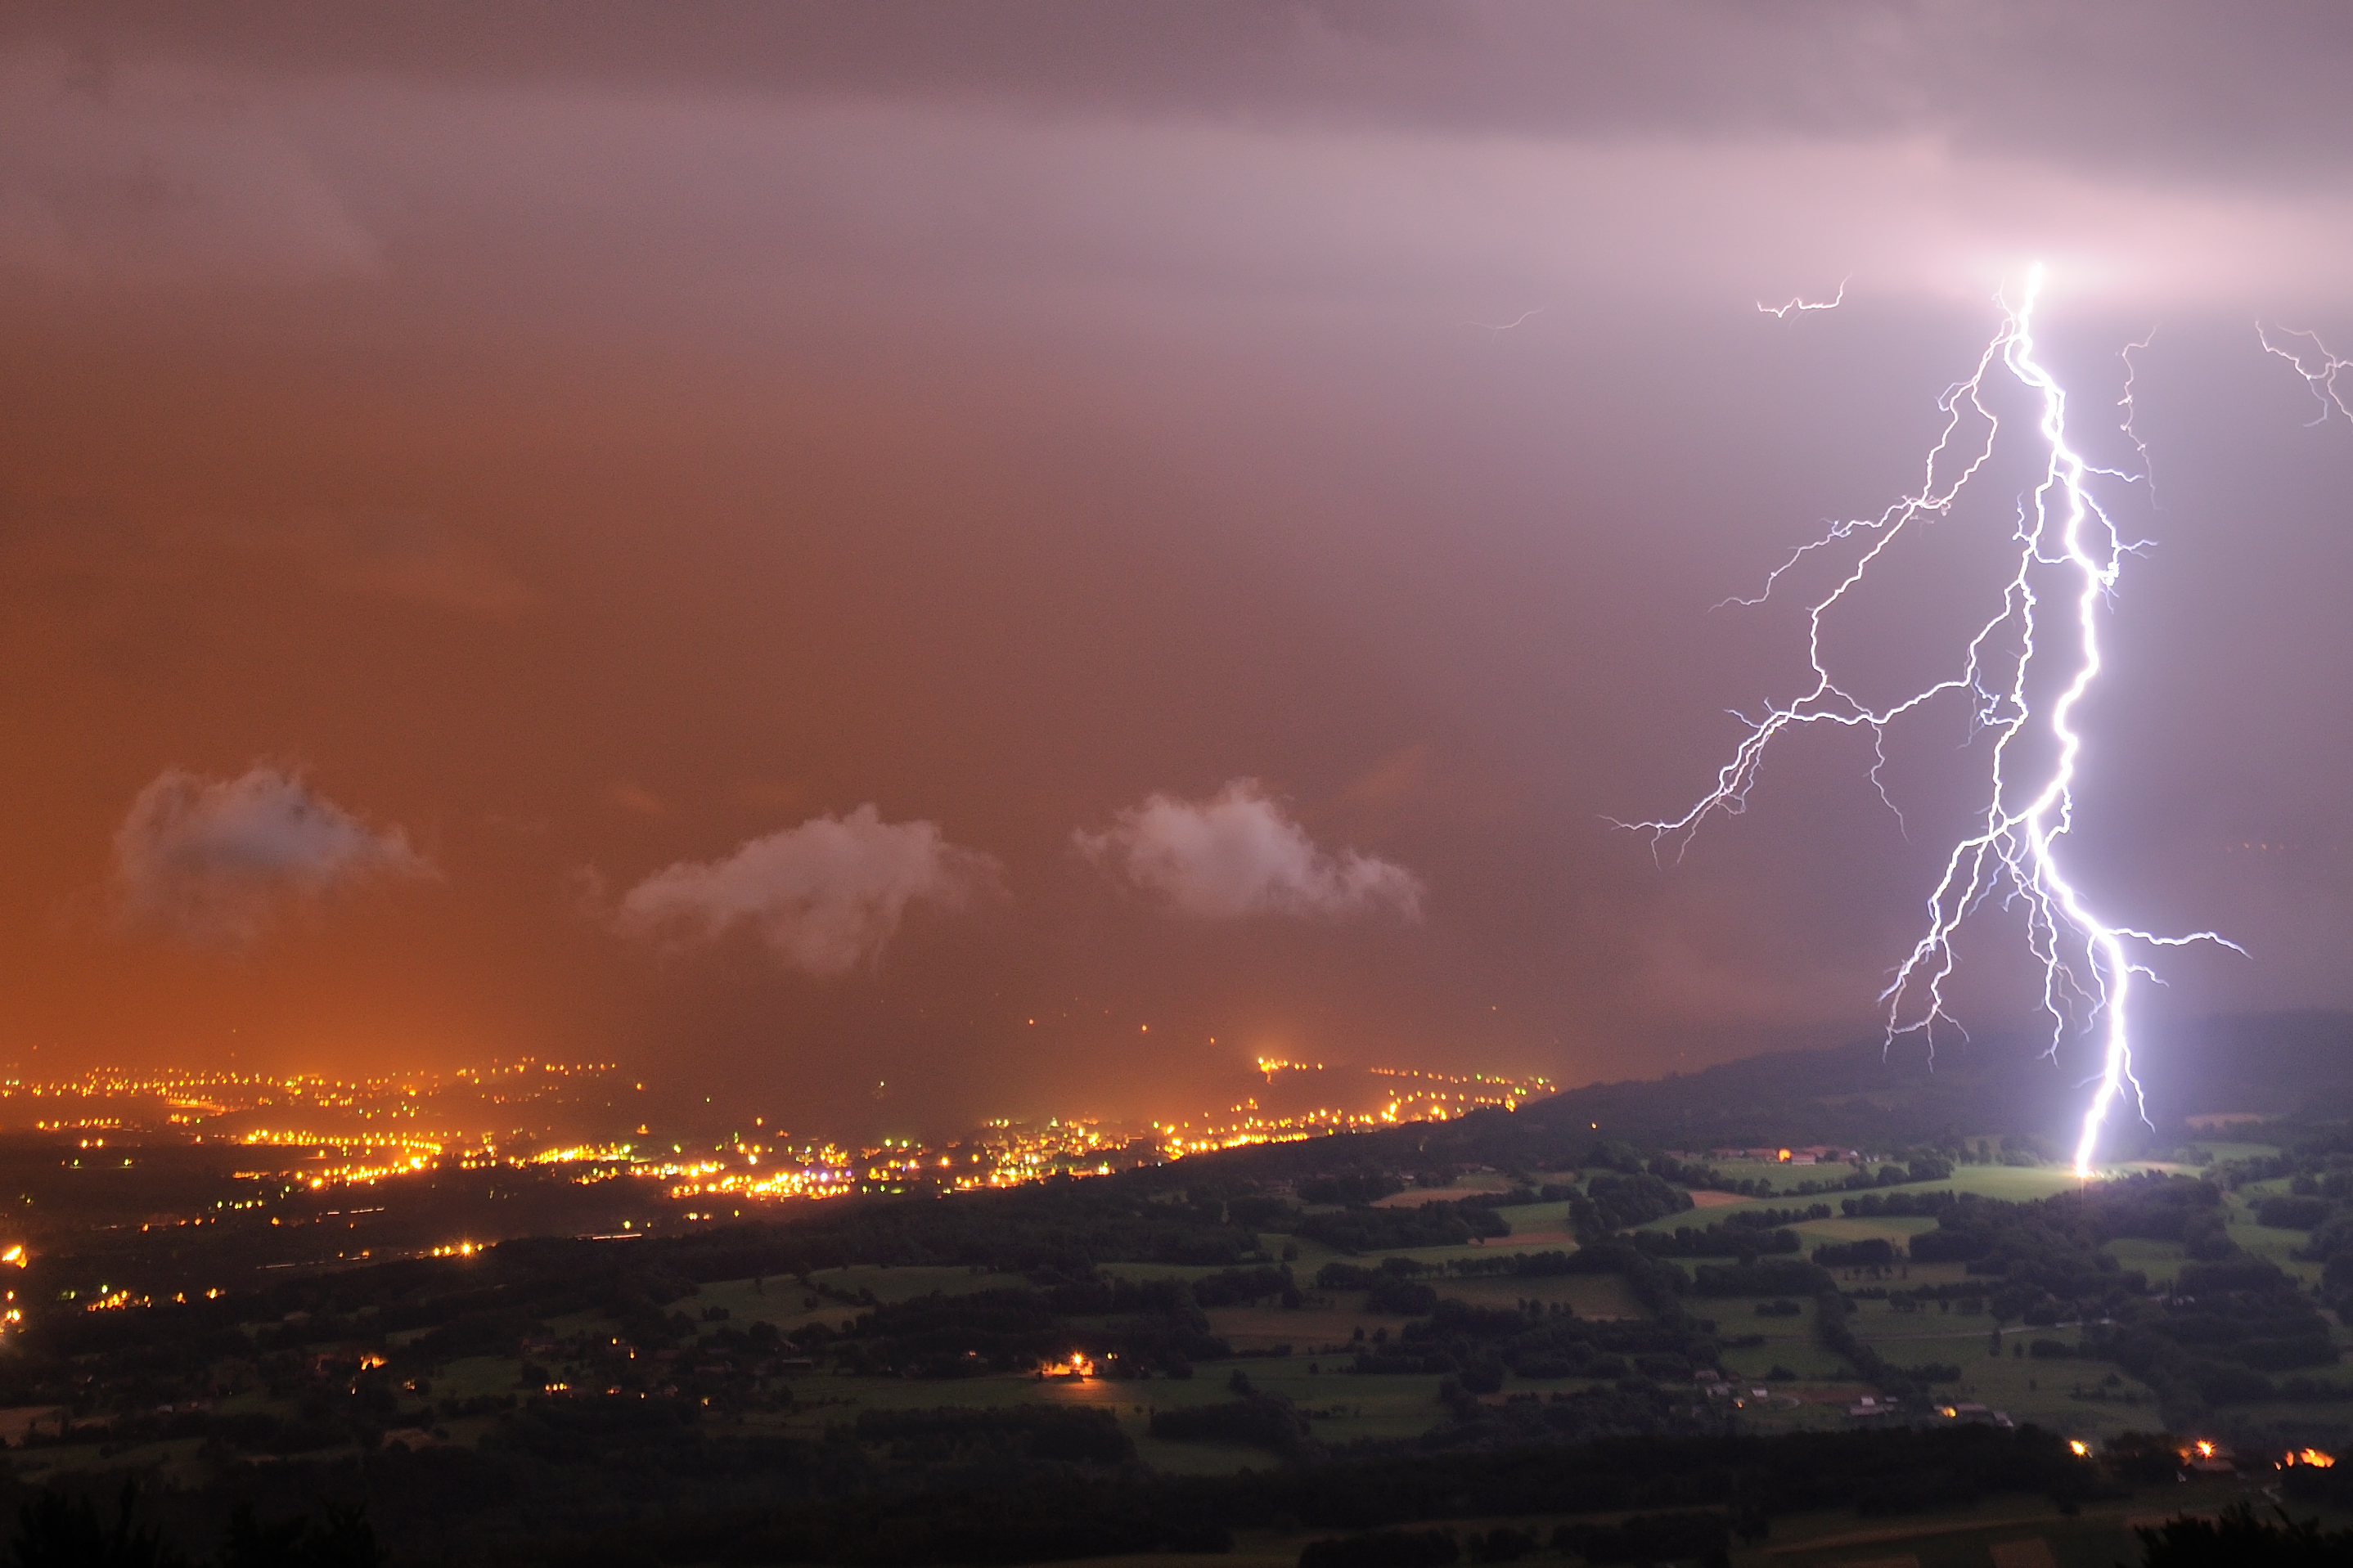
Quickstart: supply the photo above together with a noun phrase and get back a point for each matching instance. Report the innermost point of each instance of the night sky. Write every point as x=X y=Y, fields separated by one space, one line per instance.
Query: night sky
x=1036 y=552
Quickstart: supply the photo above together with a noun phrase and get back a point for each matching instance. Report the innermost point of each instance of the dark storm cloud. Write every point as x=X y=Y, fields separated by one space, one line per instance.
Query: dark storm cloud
x=216 y=861
x=2244 y=92
x=166 y=173
x=166 y=160
x=1237 y=854
x=825 y=897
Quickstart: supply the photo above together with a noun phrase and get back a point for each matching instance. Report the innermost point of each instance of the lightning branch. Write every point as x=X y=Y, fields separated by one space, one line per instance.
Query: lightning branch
x=2042 y=637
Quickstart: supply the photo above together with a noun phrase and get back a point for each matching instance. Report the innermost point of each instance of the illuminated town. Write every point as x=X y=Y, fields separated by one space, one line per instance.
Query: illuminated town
x=326 y=1133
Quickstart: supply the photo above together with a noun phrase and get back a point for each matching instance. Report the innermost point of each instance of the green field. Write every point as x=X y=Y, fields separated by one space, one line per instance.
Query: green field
x=2013 y=1182
x=2277 y=1247
x=1341 y=1407
x=1809 y=1386
x=2010 y=1183
x=2099 y=1537
x=1462 y=1187
x=1588 y=1295
x=1788 y=1345
x=2160 y=1260
x=2220 y=1153
x=2086 y=1398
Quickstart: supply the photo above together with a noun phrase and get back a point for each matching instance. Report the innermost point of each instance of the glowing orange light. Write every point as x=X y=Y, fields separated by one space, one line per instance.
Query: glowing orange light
x=2205 y=1449
x=2315 y=1459
x=2077 y=1446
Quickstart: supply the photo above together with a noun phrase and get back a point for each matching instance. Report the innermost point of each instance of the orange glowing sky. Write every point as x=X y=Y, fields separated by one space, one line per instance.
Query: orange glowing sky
x=537 y=478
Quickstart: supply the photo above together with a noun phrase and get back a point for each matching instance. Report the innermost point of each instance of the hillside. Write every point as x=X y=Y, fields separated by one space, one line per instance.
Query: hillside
x=1862 y=1095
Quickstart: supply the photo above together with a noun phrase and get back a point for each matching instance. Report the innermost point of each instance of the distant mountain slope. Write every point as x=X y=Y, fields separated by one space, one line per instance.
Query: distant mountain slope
x=1857 y=1094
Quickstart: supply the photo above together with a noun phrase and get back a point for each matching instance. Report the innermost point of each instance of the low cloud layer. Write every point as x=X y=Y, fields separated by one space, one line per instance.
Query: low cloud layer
x=1180 y=149
x=1238 y=854
x=216 y=861
x=826 y=896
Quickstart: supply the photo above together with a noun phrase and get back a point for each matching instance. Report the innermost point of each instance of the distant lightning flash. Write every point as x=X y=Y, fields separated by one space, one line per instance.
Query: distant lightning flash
x=2011 y=852
x=2132 y=411
x=1800 y=303
x=2320 y=379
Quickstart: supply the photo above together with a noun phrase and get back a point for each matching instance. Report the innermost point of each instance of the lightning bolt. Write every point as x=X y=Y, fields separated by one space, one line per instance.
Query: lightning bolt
x=2068 y=548
x=1800 y=303
x=2320 y=378
x=2132 y=410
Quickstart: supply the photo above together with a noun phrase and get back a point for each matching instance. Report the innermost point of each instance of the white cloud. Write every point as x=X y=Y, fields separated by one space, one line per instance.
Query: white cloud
x=214 y=861
x=1237 y=854
x=826 y=896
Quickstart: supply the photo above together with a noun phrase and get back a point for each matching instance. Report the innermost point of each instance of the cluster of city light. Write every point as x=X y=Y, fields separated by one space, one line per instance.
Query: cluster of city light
x=1244 y=1124
x=11 y=1315
x=584 y=1153
x=1491 y=1088
x=189 y=1099
x=1007 y=1153
x=815 y=1183
x=832 y=1175
x=1449 y=1096
x=1446 y=1096
x=408 y=1154
x=764 y=1164
x=342 y=1129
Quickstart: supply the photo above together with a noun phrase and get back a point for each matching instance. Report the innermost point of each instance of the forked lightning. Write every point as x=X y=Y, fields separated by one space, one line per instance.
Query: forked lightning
x=2068 y=547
